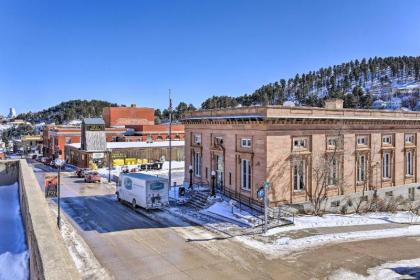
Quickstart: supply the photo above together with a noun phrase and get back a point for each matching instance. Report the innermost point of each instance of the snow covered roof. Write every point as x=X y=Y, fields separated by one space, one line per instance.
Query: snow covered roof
x=93 y=121
x=127 y=145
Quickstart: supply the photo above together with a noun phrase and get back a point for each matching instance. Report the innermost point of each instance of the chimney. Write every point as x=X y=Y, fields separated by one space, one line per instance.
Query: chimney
x=133 y=105
x=334 y=103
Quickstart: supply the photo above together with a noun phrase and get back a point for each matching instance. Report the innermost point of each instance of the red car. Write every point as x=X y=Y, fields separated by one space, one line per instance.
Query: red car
x=92 y=177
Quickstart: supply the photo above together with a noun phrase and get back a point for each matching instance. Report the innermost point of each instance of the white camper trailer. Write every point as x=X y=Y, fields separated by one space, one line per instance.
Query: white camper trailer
x=147 y=191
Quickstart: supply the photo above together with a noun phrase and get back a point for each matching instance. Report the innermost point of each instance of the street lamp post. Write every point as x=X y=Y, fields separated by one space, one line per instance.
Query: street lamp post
x=109 y=165
x=213 y=183
x=190 y=168
x=59 y=163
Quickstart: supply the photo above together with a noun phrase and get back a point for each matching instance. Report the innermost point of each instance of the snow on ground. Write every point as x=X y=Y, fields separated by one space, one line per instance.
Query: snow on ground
x=228 y=210
x=13 y=248
x=409 y=269
x=336 y=220
x=176 y=166
x=286 y=245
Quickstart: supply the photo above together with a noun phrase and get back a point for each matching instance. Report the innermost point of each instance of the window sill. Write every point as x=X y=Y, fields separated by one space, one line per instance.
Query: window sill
x=407 y=176
x=299 y=192
x=246 y=190
x=386 y=179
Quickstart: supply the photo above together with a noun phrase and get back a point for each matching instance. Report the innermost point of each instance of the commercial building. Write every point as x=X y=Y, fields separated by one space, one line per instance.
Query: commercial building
x=55 y=137
x=94 y=148
x=298 y=148
x=122 y=124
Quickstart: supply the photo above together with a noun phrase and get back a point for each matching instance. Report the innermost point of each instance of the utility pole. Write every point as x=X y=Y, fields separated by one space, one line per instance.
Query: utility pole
x=170 y=140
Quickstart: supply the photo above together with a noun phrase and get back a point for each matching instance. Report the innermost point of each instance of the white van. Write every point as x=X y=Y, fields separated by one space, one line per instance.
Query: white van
x=147 y=191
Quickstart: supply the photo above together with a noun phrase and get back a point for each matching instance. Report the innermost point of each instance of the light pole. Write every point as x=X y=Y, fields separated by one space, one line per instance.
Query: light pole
x=59 y=163
x=213 y=182
x=190 y=168
x=109 y=165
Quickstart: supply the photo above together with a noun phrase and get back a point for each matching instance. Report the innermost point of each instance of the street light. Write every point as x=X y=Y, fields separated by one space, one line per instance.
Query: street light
x=213 y=181
x=190 y=168
x=59 y=163
x=109 y=165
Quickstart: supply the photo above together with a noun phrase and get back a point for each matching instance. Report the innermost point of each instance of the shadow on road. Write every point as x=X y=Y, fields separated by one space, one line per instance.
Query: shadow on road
x=103 y=213
x=408 y=271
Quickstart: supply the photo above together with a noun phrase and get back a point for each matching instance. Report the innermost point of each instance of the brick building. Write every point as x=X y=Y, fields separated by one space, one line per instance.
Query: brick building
x=365 y=149
x=124 y=116
x=55 y=137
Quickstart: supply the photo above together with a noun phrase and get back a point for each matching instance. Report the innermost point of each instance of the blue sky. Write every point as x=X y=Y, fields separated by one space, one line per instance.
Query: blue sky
x=134 y=51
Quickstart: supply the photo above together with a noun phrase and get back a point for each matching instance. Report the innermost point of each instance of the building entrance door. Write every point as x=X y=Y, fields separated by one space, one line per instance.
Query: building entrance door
x=219 y=161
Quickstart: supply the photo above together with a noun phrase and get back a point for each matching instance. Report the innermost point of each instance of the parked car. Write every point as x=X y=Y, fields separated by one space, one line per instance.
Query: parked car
x=92 y=177
x=80 y=172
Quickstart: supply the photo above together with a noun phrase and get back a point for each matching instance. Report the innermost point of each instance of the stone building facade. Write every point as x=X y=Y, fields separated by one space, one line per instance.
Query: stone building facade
x=294 y=148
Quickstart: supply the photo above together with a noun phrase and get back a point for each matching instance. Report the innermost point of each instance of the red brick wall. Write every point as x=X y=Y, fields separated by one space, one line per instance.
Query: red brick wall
x=122 y=116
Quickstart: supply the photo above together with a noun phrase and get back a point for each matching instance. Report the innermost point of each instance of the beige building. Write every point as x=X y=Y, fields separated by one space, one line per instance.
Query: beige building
x=301 y=150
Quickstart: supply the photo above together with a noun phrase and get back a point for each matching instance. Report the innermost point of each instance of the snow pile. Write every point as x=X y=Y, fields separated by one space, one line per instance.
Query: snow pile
x=228 y=210
x=13 y=248
x=336 y=220
x=395 y=270
x=287 y=245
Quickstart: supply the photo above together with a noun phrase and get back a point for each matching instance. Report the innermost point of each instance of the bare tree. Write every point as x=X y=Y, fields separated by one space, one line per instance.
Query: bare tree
x=327 y=172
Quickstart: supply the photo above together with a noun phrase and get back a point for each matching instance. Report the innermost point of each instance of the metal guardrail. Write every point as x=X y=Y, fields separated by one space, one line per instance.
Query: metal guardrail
x=257 y=206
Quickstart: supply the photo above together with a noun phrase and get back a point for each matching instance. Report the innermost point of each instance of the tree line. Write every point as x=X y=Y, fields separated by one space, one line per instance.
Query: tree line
x=348 y=81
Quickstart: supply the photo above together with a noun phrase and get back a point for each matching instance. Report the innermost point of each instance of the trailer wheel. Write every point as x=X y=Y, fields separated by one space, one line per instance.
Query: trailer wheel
x=133 y=204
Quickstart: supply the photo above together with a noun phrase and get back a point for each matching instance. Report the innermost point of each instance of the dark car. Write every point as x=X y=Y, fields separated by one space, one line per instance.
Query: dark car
x=80 y=172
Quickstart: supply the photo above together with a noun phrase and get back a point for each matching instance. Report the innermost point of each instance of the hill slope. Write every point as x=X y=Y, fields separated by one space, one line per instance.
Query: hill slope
x=359 y=83
x=68 y=111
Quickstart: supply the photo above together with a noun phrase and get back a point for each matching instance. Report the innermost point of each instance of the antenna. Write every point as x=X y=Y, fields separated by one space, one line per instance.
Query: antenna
x=170 y=140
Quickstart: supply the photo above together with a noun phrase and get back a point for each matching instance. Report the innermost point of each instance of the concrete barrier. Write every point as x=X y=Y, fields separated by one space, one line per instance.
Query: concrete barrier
x=49 y=258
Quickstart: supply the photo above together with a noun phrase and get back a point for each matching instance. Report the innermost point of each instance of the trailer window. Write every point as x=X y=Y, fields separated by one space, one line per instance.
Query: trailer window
x=156 y=186
x=128 y=184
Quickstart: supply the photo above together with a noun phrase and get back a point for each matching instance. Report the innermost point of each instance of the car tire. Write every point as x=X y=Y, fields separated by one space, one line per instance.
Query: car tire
x=85 y=180
x=118 y=197
x=133 y=204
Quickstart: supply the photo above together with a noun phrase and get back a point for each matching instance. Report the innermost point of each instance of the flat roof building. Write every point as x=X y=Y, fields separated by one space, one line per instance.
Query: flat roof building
x=291 y=146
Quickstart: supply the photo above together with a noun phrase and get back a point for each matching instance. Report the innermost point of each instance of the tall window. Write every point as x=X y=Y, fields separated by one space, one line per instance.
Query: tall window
x=246 y=174
x=334 y=170
x=361 y=168
x=386 y=165
x=299 y=173
x=197 y=164
x=409 y=170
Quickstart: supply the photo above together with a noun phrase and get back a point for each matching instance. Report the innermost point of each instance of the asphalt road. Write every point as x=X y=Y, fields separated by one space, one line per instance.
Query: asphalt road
x=153 y=245
x=138 y=244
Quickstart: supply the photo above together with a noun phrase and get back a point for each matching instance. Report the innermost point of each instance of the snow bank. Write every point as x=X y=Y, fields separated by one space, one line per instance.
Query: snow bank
x=285 y=245
x=394 y=270
x=225 y=209
x=335 y=220
x=13 y=248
